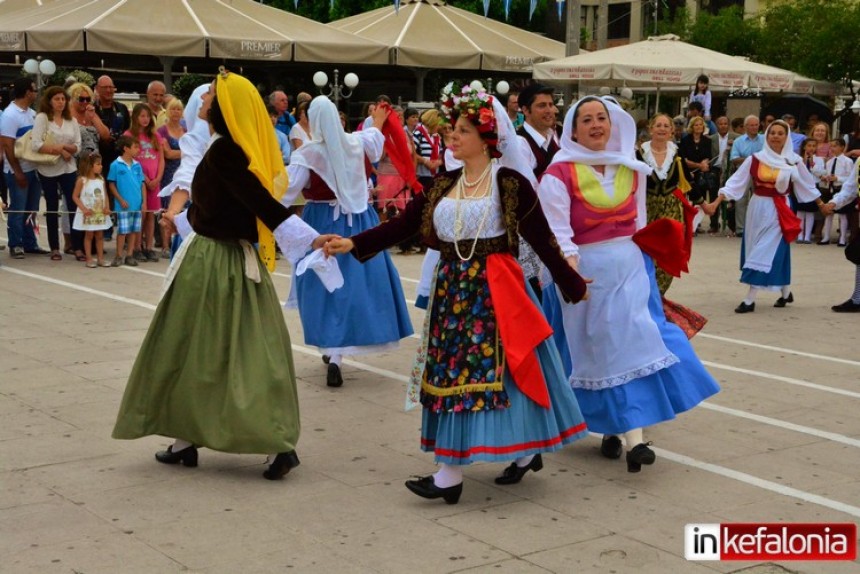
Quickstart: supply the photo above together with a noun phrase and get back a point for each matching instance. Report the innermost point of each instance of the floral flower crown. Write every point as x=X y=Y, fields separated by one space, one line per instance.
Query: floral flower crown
x=474 y=105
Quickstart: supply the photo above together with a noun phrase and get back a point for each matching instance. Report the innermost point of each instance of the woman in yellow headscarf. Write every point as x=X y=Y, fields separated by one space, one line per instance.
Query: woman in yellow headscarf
x=215 y=368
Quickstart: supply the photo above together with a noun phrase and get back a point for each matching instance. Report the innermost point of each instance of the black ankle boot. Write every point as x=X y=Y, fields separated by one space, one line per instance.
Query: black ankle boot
x=513 y=474
x=783 y=300
x=744 y=308
x=282 y=464
x=610 y=446
x=639 y=455
x=333 y=377
x=187 y=456
x=426 y=488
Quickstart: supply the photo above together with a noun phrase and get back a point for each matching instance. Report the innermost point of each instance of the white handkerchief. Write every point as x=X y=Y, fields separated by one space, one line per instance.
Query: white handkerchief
x=326 y=269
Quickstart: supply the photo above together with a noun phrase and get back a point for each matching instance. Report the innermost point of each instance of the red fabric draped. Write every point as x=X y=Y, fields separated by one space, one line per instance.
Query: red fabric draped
x=521 y=324
x=398 y=149
x=669 y=242
x=789 y=223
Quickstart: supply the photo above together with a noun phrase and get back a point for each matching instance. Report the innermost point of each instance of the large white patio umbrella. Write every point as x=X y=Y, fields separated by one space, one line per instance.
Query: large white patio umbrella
x=234 y=29
x=666 y=61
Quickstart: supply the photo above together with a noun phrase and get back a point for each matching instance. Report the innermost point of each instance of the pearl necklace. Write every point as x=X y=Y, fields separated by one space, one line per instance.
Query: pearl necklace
x=480 y=179
x=458 y=222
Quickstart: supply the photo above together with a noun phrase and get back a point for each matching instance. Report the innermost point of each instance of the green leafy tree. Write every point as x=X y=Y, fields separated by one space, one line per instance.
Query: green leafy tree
x=185 y=84
x=727 y=32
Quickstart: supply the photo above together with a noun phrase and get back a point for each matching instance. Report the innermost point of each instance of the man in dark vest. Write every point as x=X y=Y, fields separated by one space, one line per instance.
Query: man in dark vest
x=538 y=131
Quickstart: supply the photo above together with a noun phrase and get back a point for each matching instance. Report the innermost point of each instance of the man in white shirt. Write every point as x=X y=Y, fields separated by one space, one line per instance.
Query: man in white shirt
x=538 y=138
x=20 y=175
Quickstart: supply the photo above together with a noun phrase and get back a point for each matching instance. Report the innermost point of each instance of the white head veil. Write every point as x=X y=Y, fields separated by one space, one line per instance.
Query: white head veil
x=509 y=145
x=785 y=160
x=193 y=144
x=335 y=156
x=620 y=149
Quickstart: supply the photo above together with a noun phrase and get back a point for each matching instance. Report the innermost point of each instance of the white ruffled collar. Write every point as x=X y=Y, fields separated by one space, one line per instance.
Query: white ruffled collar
x=662 y=170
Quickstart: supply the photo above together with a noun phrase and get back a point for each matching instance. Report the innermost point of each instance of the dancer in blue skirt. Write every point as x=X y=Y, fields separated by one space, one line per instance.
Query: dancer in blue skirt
x=630 y=368
x=370 y=315
x=490 y=378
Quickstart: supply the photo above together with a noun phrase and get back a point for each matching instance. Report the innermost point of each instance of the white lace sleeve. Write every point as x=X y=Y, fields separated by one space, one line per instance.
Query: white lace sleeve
x=804 y=185
x=294 y=237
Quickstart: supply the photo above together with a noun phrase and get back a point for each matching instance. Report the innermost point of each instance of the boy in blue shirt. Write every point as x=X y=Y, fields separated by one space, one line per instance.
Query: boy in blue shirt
x=126 y=184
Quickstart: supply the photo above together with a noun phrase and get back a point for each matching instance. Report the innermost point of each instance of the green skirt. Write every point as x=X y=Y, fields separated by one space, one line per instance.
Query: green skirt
x=216 y=366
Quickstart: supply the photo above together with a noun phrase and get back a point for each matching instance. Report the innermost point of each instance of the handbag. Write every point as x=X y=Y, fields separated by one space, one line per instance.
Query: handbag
x=24 y=150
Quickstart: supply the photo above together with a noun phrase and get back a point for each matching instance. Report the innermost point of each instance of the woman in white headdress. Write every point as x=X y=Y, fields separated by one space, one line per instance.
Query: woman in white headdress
x=370 y=315
x=771 y=225
x=490 y=380
x=193 y=145
x=630 y=367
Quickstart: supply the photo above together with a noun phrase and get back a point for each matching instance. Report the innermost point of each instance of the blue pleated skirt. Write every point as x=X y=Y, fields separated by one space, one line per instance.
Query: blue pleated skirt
x=369 y=310
x=501 y=435
x=780 y=271
x=654 y=398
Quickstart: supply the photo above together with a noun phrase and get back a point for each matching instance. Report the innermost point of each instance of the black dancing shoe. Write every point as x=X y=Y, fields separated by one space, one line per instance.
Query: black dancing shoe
x=333 y=377
x=187 y=456
x=783 y=300
x=326 y=359
x=513 y=474
x=426 y=488
x=283 y=463
x=744 y=308
x=610 y=446
x=639 y=455
x=847 y=307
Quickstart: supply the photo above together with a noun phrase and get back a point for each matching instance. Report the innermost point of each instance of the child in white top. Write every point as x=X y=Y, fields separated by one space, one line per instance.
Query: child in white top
x=702 y=94
x=837 y=170
x=93 y=212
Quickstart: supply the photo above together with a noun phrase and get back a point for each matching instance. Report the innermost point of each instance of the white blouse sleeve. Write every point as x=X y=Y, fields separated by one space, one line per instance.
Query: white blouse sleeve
x=555 y=202
x=739 y=182
x=804 y=185
x=299 y=176
x=844 y=168
x=192 y=150
x=373 y=142
x=641 y=201
x=848 y=193
x=295 y=238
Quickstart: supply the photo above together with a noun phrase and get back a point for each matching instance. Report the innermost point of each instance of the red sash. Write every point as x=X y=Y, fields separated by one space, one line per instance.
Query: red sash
x=521 y=325
x=789 y=223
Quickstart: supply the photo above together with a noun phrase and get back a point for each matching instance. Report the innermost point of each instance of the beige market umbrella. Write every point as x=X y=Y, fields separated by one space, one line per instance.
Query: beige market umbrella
x=235 y=29
x=664 y=61
x=431 y=34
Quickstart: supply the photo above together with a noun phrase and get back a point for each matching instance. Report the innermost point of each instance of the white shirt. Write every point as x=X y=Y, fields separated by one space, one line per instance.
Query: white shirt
x=541 y=139
x=14 y=123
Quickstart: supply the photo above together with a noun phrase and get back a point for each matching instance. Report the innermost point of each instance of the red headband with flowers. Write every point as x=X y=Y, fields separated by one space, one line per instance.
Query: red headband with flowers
x=477 y=107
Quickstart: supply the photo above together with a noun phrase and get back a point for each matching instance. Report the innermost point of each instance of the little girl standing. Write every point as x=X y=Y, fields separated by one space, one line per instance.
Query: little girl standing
x=151 y=159
x=93 y=208
x=702 y=94
x=806 y=211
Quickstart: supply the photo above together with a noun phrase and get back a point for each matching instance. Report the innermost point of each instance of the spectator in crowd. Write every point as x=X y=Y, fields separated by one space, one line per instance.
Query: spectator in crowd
x=797 y=136
x=738 y=126
x=55 y=132
x=151 y=159
x=170 y=133
x=721 y=147
x=281 y=103
x=765 y=122
x=301 y=132
x=20 y=175
x=283 y=142
x=428 y=146
x=696 y=110
x=702 y=94
x=512 y=106
x=155 y=93
x=116 y=118
x=680 y=125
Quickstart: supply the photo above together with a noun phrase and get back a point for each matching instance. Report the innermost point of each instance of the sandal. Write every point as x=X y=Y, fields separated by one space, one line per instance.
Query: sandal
x=55 y=256
x=79 y=255
x=69 y=251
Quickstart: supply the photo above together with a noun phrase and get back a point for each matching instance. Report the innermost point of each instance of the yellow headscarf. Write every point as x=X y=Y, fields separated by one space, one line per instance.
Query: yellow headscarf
x=251 y=128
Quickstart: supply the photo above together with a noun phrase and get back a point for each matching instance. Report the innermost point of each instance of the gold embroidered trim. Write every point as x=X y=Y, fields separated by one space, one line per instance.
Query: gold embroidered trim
x=460 y=390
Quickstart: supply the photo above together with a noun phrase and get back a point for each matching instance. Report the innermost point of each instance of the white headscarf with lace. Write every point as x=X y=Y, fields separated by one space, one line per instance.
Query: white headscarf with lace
x=620 y=149
x=335 y=156
x=509 y=146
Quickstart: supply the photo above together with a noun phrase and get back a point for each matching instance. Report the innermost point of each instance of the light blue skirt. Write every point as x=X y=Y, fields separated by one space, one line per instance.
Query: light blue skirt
x=657 y=397
x=780 y=271
x=501 y=435
x=369 y=309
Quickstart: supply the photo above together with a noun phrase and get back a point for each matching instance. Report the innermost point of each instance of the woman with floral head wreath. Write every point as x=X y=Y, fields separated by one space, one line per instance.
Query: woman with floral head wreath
x=491 y=390
x=215 y=368
x=370 y=316
x=771 y=226
x=630 y=367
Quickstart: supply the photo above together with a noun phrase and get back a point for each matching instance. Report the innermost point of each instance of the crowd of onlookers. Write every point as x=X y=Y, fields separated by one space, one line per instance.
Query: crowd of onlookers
x=76 y=121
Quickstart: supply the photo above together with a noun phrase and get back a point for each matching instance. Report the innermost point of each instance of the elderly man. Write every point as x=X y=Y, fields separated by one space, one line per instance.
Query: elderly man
x=721 y=147
x=117 y=119
x=281 y=103
x=155 y=93
x=743 y=147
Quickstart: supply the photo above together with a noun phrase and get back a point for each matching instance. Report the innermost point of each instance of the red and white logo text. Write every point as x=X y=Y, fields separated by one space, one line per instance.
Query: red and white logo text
x=783 y=541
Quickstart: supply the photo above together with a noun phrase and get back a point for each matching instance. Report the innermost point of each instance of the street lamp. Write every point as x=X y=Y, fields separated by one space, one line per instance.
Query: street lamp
x=40 y=68
x=336 y=91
